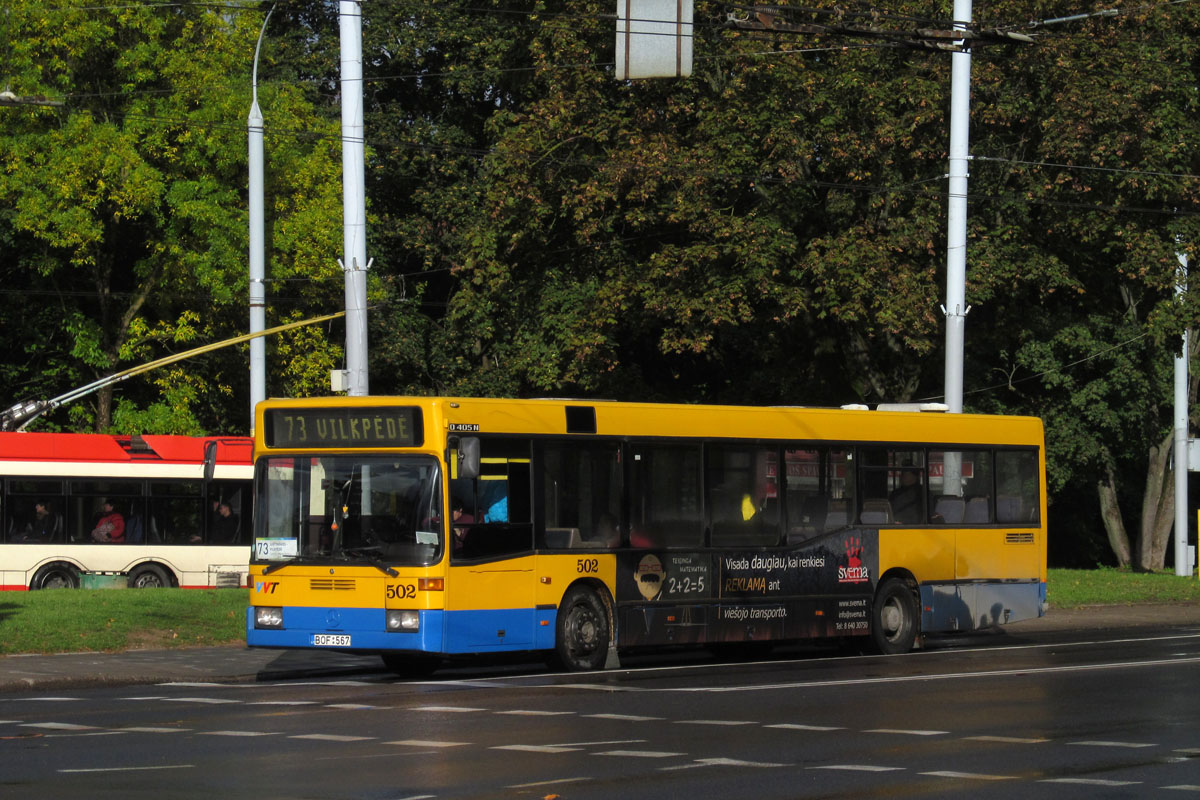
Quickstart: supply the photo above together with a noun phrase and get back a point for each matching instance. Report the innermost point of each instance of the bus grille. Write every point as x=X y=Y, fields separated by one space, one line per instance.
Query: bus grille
x=331 y=584
x=1018 y=538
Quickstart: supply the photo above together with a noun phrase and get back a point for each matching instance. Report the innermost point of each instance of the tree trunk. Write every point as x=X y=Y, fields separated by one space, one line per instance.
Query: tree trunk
x=1158 y=507
x=1110 y=512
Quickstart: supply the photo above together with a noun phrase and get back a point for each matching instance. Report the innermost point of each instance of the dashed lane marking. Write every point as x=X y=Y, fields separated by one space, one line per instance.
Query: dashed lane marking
x=731 y=722
x=639 y=754
x=624 y=717
x=1184 y=787
x=974 y=776
x=532 y=713
x=237 y=733
x=149 y=729
x=791 y=726
x=332 y=737
x=554 y=782
x=59 y=726
x=216 y=701
x=450 y=709
x=537 y=748
x=1112 y=744
x=131 y=769
x=907 y=733
x=859 y=768
x=1005 y=739
x=1090 y=781
x=426 y=743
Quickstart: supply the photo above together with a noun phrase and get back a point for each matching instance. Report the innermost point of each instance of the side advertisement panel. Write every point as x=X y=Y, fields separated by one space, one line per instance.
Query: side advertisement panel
x=821 y=588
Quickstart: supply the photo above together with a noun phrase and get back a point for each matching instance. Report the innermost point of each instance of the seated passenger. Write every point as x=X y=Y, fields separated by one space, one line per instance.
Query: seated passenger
x=110 y=527
x=44 y=524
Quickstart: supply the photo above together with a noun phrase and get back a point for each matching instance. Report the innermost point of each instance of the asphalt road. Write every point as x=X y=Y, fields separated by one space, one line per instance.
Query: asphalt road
x=1098 y=710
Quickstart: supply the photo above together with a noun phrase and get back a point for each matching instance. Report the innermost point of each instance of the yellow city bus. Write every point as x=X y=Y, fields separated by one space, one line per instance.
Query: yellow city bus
x=421 y=528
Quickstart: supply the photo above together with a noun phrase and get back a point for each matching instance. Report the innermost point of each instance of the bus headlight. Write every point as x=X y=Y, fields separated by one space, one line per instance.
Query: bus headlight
x=268 y=617
x=403 y=621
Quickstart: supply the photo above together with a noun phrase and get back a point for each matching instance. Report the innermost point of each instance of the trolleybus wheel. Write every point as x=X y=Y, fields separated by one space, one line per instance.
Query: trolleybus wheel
x=894 y=617
x=149 y=576
x=581 y=641
x=55 y=576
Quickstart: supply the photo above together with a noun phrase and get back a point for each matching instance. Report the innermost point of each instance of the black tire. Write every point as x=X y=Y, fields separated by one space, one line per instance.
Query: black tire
x=407 y=665
x=582 y=632
x=55 y=576
x=149 y=576
x=894 y=617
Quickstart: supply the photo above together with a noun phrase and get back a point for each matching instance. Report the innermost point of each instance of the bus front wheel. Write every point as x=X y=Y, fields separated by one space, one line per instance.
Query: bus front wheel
x=894 y=618
x=55 y=576
x=582 y=636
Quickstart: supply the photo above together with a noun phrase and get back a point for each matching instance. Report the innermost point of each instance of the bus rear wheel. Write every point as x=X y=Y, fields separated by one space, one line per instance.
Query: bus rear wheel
x=582 y=636
x=894 y=619
x=55 y=576
x=149 y=576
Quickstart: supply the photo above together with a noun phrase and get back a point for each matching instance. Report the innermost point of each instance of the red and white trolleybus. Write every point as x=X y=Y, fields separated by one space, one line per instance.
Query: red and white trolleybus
x=138 y=509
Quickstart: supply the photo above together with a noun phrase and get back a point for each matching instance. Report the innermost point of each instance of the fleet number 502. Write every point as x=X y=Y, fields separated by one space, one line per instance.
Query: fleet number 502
x=402 y=591
x=587 y=565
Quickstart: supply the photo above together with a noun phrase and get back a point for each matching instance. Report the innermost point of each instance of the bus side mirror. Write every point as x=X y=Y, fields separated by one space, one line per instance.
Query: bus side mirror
x=468 y=457
x=210 y=460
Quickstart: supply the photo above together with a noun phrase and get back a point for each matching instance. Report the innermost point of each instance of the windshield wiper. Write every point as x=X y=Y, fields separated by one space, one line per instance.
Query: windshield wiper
x=371 y=554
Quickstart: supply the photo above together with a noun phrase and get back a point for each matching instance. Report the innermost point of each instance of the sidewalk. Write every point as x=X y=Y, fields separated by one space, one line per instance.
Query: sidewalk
x=238 y=664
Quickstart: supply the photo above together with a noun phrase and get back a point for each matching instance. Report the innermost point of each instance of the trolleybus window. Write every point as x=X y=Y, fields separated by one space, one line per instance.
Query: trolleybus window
x=494 y=510
x=1017 y=483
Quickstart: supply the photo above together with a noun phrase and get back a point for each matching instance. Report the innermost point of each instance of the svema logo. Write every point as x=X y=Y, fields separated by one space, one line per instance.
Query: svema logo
x=854 y=571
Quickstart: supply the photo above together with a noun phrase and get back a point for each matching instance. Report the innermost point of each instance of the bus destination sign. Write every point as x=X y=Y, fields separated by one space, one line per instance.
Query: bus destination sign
x=388 y=426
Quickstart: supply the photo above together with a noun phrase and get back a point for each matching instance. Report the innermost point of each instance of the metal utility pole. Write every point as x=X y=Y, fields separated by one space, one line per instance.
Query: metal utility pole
x=258 y=293
x=354 y=214
x=956 y=308
x=1183 y=564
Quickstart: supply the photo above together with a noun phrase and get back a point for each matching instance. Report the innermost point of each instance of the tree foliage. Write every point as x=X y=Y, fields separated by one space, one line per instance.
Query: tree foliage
x=771 y=230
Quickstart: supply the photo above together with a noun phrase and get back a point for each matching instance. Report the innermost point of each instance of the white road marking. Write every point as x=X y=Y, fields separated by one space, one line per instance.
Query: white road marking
x=148 y=729
x=859 y=768
x=449 y=709
x=237 y=733
x=1005 y=739
x=283 y=703
x=210 y=700
x=639 y=754
x=525 y=713
x=1090 y=781
x=131 y=769
x=714 y=722
x=52 y=699
x=975 y=776
x=734 y=762
x=1184 y=787
x=536 y=748
x=623 y=717
x=332 y=737
x=998 y=673
x=555 y=782
x=907 y=733
x=351 y=706
x=789 y=726
x=426 y=743
x=1113 y=744
x=59 y=726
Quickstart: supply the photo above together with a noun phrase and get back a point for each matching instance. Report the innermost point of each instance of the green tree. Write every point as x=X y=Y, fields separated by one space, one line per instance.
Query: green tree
x=125 y=206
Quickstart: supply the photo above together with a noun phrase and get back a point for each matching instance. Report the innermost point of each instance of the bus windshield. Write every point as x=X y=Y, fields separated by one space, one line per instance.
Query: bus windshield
x=384 y=510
